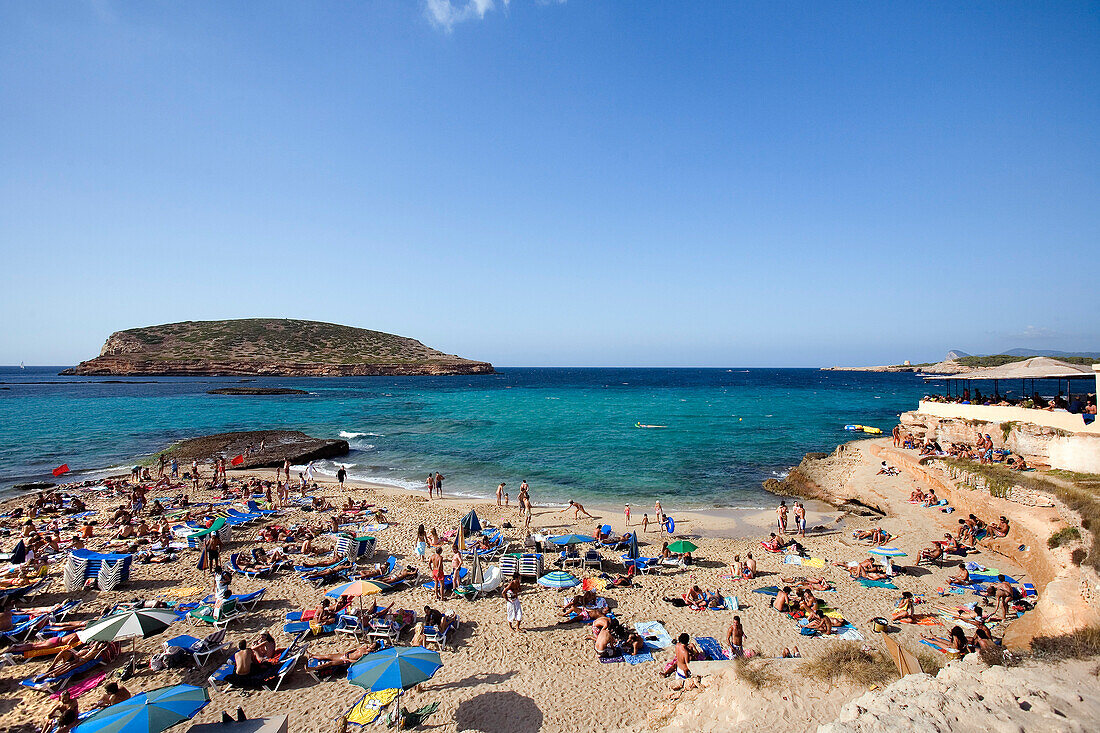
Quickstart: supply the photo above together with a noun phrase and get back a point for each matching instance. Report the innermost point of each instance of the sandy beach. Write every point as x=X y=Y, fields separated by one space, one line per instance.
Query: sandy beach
x=548 y=676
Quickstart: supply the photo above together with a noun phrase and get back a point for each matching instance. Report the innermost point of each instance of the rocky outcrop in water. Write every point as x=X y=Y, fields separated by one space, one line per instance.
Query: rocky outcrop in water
x=277 y=445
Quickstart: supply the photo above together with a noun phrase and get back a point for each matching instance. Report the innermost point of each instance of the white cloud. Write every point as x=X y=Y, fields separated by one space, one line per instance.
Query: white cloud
x=1033 y=333
x=446 y=14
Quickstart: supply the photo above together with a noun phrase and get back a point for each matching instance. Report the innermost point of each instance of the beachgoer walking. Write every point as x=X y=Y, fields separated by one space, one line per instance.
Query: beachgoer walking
x=175 y=468
x=341 y=475
x=658 y=512
x=513 y=610
x=645 y=522
x=430 y=481
x=439 y=484
x=309 y=471
x=627 y=512
x=735 y=637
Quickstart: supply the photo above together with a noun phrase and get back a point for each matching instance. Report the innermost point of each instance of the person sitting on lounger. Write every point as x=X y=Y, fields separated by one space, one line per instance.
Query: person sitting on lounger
x=782 y=600
x=948 y=543
x=905 y=609
x=324 y=615
x=935 y=552
x=962 y=577
x=265 y=558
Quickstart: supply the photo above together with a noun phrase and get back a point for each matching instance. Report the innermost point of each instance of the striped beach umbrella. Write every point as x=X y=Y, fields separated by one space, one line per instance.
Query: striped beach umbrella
x=887 y=552
x=358 y=588
x=149 y=712
x=140 y=622
x=571 y=539
x=559 y=579
x=396 y=667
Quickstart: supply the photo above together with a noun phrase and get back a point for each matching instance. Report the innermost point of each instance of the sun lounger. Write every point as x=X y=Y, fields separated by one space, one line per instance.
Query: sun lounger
x=25 y=629
x=200 y=649
x=218 y=618
x=253 y=507
x=60 y=682
x=246 y=601
x=432 y=635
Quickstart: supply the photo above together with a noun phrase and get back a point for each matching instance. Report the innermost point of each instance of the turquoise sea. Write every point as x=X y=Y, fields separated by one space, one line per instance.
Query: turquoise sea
x=568 y=432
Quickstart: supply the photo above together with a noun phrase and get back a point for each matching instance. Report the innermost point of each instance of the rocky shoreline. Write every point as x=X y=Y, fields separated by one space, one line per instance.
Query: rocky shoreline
x=121 y=366
x=278 y=445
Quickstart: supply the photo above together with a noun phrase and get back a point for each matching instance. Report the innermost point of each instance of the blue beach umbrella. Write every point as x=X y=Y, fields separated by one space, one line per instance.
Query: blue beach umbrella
x=887 y=552
x=471 y=523
x=559 y=579
x=632 y=552
x=149 y=712
x=396 y=667
x=571 y=539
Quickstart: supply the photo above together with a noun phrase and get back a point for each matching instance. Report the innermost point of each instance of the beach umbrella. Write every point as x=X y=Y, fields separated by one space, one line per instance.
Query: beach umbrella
x=396 y=667
x=143 y=622
x=149 y=712
x=571 y=539
x=887 y=552
x=471 y=523
x=461 y=539
x=358 y=588
x=682 y=546
x=632 y=548
x=477 y=576
x=559 y=579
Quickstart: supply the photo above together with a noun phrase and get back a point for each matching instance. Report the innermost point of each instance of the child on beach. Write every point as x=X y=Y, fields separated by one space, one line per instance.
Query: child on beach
x=645 y=522
x=627 y=512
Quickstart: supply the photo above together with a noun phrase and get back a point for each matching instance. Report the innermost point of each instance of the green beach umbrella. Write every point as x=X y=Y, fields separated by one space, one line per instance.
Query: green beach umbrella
x=571 y=539
x=149 y=712
x=682 y=546
x=140 y=622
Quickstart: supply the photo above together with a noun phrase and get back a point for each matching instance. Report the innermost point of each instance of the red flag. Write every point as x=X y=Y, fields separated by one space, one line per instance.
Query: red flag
x=237 y=460
x=60 y=470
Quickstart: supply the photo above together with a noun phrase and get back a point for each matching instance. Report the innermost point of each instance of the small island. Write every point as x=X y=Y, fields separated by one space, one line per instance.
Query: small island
x=269 y=347
x=255 y=391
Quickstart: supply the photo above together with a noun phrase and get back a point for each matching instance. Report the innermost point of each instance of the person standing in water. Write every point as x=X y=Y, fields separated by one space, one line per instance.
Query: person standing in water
x=439 y=484
x=341 y=475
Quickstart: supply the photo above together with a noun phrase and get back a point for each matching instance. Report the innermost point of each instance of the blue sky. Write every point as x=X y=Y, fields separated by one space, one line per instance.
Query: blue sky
x=545 y=183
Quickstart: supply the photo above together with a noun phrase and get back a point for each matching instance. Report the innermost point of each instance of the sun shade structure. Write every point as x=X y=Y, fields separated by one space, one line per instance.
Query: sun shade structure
x=1039 y=367
x=149 y=712
x=141 y=622
x=887 y=552
x=632 y=551
x=358 y=588
x=471 y=523
x=571 y=539
x=395 y=668
x=682 y=546
x=559 y=579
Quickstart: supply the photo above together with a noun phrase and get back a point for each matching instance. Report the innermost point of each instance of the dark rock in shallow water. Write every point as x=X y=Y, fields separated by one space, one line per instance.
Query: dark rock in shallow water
x=277 y=445
x=255 y=391
x=35 y=486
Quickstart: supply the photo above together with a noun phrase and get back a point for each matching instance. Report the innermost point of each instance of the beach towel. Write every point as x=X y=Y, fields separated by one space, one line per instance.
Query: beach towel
x=771 y=590
x=654 y=633
x=848 y=633
x=1029 y=590
x=711 y=648
x=813 y=562
x=732 y=604
x=979 y=578
x=369 y=707
x=792 y=560
x=77 y=689
x=593 y=584
x=638 y=658
x=935 y=645
x=373 y=527
x=868 y=583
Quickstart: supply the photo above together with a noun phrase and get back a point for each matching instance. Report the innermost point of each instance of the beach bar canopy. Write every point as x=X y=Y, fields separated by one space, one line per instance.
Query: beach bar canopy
x=1039 y=367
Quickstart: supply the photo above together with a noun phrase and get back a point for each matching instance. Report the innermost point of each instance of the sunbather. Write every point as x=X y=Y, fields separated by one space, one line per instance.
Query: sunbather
x=933 y=553
x=801 y=584
x=1000 y=529
x=782 y=599
x=696 y=598
x=409 y=573
x=773 y=543
x=113 y=694
x=823 y=624
x=876 y=536
x=69 y=659
x=956 y=642
x=329 y=662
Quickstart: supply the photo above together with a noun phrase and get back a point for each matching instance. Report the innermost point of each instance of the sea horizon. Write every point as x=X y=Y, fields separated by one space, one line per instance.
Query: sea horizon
x=570 y=431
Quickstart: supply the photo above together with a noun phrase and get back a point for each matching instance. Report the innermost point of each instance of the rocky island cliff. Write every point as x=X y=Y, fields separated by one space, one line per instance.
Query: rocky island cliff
x=269 y=347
